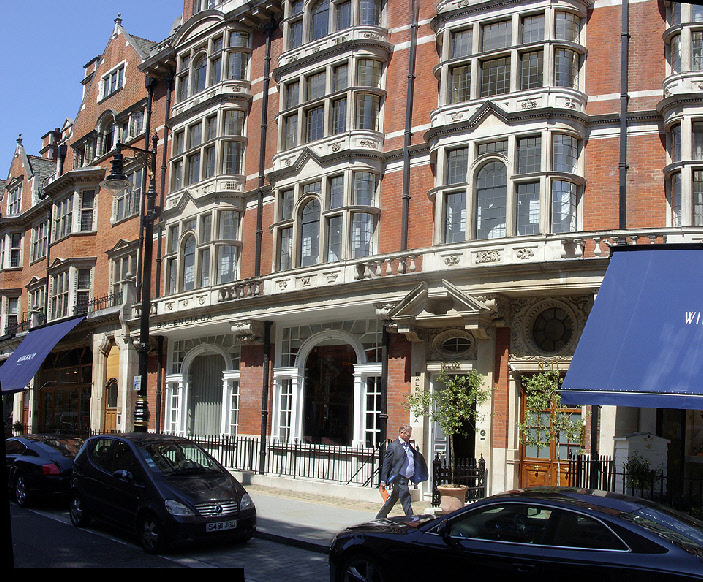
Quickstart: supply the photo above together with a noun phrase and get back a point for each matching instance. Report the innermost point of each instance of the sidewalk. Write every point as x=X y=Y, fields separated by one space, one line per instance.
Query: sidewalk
x=309 y=521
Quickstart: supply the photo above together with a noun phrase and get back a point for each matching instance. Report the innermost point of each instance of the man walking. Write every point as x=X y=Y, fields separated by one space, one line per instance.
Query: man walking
x=401 y=465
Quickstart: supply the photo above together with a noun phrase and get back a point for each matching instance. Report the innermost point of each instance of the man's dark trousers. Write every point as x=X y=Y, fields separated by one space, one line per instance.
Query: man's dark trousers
x=400 y=491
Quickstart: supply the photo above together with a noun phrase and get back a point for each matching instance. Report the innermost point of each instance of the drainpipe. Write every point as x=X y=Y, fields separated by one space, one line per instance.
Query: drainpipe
x=270 y=27
x=265 y=396
x=624 y=65
x=408 y=127
x=159 y=230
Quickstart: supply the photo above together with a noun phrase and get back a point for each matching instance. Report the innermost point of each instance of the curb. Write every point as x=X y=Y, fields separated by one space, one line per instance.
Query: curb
x=310 y=546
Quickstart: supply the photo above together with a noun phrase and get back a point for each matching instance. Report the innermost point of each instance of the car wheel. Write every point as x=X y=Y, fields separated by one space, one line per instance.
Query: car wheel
x=21 y=491
x=151 y=534
x=78 y=515
x=362 y=569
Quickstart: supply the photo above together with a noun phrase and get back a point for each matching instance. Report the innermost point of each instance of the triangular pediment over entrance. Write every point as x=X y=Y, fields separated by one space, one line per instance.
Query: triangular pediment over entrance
x=428 y=307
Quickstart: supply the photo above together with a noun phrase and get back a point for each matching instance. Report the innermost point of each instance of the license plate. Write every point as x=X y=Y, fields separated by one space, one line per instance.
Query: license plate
x=221 y=525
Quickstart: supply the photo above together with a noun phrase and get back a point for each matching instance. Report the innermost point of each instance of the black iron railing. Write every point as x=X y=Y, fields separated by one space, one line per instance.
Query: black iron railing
x=681 y=493
x=469 y=472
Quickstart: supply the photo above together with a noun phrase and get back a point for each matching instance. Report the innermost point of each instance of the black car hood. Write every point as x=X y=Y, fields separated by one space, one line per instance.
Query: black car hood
x=203 y=487
x=392 y=525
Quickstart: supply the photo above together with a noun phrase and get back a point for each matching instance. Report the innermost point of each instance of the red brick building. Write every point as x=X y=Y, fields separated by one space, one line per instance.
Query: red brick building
x=357 y=194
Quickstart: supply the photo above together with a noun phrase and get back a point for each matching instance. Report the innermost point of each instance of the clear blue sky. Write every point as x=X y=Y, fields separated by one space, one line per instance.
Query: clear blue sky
x=45 y=44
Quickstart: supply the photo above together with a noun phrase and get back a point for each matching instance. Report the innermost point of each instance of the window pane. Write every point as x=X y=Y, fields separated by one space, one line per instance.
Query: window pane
x=457 y=165
x=229 y=225
x=461 y=84
x=364 y=188
x=491 y=198
x=696 y=51
x=339 y=115
x=315 y=123
x=567 y=26
x=495 y=77
x=310 y=234
x=461 y=43
x=226 y=264
x=285 y=253
x=370 y=12
x=563 y=206
x=320 y=20
x=287 y=204
x=315 y=86
x=237 y=65
x=336 y=192
x=189 y=264
x=528 y=209
x=234 y=122
x=676 y=200
x=455 y=220
x=564 y=153
x=334 y=238
x=232 y=157
x=292 y=94
x=533 y=28
x=697 y=198
x=496 y=35
x=367 y=108
x=368 y=73
x=697 y=141
x=529 y=153
x=531 y=70
x=290 y=136
x=362 y=235
x=566 y=68
x=343 y=15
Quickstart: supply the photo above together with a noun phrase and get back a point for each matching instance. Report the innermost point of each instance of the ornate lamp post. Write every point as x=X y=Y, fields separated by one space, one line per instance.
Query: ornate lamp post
x=117 y=182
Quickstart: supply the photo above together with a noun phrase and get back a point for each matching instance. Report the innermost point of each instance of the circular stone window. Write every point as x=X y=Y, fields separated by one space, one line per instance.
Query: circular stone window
x=553 y=329
x=456 y=345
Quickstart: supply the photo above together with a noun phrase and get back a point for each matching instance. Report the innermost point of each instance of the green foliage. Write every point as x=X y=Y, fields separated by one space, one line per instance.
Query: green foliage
x=639 y=474
x=454 y=407
x=545 y=418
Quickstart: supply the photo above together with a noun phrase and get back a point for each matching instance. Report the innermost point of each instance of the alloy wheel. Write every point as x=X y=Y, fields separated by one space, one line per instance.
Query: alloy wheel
x=77 y=513
x=151 y=536
x=362 y=570
x=21 y=491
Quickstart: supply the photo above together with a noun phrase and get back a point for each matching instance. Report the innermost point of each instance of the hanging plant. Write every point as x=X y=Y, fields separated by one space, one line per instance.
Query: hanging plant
x=454 y=407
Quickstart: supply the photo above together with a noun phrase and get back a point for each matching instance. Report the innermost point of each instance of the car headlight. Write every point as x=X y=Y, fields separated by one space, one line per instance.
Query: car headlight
x=177 y=508
x=246 y=502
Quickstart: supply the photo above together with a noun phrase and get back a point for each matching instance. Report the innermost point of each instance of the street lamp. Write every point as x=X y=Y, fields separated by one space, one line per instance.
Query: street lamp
x=117 y=182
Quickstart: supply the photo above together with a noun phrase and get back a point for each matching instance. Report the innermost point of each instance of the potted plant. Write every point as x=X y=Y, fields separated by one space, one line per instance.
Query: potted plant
x=455 y=408
x=545 y=418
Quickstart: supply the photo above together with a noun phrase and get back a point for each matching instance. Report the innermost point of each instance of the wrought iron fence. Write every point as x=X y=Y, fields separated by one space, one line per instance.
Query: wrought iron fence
x=682 y=493
x=469 y=472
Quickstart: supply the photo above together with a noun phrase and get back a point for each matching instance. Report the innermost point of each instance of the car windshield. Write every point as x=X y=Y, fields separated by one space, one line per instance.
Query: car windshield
x=682 y=530
x=176 y=458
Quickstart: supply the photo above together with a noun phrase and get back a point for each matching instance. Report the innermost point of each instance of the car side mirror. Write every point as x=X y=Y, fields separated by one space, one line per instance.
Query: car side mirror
x=123 y=475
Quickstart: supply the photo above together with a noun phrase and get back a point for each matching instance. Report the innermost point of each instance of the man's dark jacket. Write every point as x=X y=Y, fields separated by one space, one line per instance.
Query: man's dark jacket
x=393 y=462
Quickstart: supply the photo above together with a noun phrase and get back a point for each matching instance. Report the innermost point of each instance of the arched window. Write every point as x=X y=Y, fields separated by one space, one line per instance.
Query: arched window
x=188 y=263
x=199 y=74
x=491 y=200
x=310 y=234
x=320 y=16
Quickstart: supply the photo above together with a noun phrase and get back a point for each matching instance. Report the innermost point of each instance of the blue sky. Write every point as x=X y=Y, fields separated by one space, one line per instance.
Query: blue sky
x=45 y=44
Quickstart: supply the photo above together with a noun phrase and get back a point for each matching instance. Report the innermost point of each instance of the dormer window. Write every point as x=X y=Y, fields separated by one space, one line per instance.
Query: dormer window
x=112 y=81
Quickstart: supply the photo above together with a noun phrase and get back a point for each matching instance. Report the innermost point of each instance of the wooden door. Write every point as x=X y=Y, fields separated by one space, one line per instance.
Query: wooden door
x=547 y=464
x=110 y=398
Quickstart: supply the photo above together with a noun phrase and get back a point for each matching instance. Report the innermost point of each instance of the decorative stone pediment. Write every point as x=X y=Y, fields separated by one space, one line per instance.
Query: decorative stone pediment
x=426 y=308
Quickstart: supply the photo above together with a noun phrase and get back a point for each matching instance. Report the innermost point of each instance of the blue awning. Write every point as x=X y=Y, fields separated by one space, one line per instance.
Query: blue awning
x=19 y=369
x=642 y=345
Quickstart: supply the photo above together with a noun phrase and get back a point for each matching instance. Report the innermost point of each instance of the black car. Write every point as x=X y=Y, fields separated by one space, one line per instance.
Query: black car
x=532 y=534
x=165 y=489
x=40 y=466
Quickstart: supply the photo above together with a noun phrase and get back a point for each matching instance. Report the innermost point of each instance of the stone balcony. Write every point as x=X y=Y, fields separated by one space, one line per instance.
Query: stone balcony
x=515 y=252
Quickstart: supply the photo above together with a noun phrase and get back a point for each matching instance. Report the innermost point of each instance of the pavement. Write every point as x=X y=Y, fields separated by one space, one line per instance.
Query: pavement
x=311 y=521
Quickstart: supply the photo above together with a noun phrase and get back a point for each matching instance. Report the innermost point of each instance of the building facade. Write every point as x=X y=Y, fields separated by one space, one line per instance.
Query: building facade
x=356 y=195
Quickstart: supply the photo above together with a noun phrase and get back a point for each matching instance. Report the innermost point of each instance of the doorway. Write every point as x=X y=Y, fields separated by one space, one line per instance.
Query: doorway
x=329 y=395
x=205 y=395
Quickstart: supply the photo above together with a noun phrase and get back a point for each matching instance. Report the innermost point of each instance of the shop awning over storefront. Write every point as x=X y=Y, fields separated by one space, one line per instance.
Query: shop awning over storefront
x=19 y=369
x=642 y=345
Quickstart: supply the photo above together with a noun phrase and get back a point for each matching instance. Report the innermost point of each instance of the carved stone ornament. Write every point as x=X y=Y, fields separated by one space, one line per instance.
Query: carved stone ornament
x=248 y=331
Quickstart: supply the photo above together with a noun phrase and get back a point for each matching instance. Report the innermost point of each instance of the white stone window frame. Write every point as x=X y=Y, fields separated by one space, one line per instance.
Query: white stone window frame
x=296 y=374
x=346 y=210
x=305 y=17
x=121 y=71
x=513 y=52
x=351 y=92
x=546 y=176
